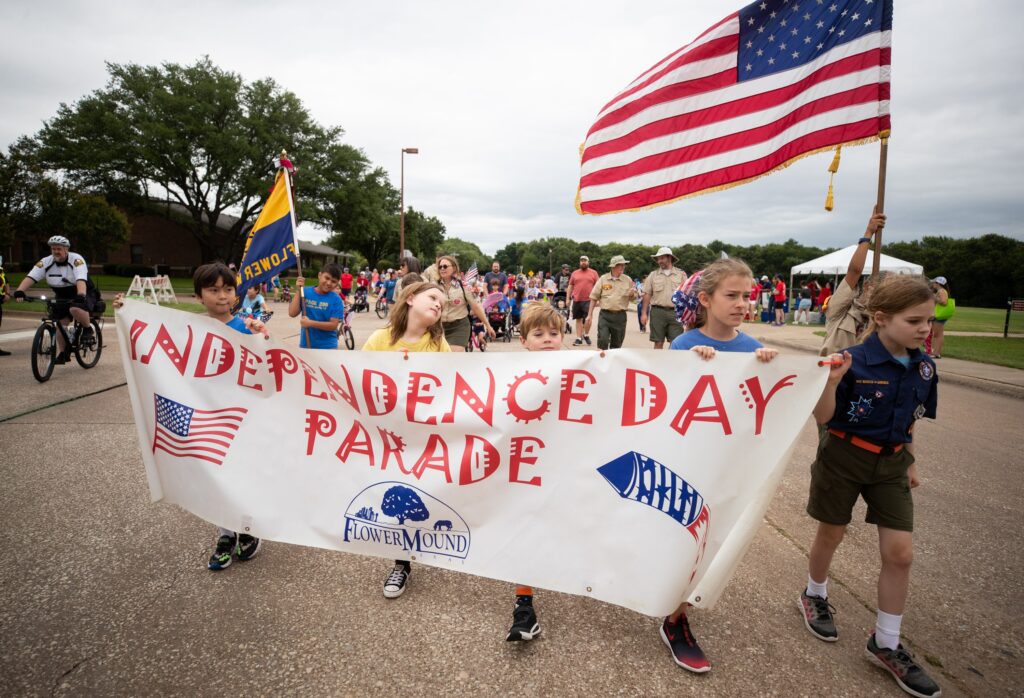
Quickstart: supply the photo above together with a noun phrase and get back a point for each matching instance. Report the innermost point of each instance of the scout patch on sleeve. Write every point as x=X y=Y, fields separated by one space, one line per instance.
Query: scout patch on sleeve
x=926 y=370
x=39 y=264
x=79 y=262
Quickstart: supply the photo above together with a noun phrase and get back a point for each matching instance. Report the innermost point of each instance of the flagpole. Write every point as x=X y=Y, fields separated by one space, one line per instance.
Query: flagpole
x=883 y=157
x=295 y=243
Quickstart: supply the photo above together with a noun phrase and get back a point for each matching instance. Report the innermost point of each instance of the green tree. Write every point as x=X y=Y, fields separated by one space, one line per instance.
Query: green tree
x=424 y=235
x=200 y=136
x=466 y=252
x=363 y=210
x=93 y=224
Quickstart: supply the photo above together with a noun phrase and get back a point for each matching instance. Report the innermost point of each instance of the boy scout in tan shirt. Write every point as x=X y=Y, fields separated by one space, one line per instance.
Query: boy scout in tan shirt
x=658 y=312
x=612 y=293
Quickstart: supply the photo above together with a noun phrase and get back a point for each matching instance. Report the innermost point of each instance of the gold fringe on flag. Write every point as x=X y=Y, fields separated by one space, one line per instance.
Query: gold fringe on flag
x=833 y=168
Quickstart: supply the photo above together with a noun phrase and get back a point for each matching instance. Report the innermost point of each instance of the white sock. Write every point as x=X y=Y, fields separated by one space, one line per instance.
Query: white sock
x=887 y=630
x=817 y=588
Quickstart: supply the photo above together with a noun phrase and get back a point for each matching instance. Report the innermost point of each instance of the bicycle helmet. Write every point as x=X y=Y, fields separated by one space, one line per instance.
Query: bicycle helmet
x=59 y=240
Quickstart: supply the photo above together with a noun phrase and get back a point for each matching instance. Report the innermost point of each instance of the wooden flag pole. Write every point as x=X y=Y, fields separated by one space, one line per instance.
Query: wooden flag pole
x=883 y=157
x=295 y=243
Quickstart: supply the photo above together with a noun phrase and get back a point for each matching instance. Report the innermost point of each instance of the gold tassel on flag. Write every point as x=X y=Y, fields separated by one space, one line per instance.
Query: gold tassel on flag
x=833 y=168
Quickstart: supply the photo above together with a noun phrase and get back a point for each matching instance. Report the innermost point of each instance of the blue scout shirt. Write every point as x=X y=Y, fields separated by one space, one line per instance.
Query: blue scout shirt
x=321 y=307
x=879 y=398
x=695 y=338
x=238 y=323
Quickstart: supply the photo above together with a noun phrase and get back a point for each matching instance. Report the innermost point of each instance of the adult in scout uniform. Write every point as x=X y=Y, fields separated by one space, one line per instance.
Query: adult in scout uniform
x=659 y=313
x=458 y=304
x=612 y=293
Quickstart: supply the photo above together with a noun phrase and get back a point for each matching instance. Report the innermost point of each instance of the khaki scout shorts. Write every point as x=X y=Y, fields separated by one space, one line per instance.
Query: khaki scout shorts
x=663 y=324
x=457 y=332
x=842 y=472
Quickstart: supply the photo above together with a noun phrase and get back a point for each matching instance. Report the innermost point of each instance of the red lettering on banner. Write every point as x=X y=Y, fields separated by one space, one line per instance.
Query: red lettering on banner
x=164 y=342
x=134 y=334
x=318 y=424
x=479 y=455
x=357 y=440
x=281 y=362
x=247 y=366
x=522 y=454
x=520 y=413
x=644 y=399
x=393 y=446
x=420 y=394
x=484 y=409
x=348 y=394
x=760 y=400
x=379 y=392
x=215 y=357
x=434 y=457
x=573 y=390
x=309 y=375
x=691 y=411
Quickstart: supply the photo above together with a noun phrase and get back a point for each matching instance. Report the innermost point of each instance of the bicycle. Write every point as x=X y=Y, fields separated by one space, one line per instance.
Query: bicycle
x=87 y=350
x=345 y=329
x=381 y=307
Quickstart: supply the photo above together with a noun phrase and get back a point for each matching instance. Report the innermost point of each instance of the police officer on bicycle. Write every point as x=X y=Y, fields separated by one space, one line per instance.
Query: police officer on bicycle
x=68 y=275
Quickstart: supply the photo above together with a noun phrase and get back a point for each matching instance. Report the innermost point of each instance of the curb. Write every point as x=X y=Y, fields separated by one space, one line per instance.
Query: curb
x=989 y=386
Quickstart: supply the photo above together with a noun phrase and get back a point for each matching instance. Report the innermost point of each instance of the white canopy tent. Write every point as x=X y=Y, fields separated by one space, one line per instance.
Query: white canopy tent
x=836 y=263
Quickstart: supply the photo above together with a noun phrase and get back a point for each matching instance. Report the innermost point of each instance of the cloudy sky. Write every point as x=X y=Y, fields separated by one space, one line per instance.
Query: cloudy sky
x=498 y=98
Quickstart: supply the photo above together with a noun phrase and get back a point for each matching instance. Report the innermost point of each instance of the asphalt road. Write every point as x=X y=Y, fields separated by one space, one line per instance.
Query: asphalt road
x=104 y=593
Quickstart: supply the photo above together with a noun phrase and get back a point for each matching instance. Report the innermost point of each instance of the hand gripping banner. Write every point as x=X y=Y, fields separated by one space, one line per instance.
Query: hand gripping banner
x=637 y=477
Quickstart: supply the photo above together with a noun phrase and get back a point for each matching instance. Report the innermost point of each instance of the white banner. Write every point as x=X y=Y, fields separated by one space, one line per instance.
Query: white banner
x=636 y=477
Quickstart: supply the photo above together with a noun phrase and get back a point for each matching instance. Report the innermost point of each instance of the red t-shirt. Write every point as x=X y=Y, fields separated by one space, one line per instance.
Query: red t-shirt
x=346 y=281
x=582 y=282
x=780 y=292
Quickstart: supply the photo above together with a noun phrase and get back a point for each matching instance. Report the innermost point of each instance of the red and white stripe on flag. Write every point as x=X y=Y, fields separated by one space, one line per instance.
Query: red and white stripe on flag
x=772 y=83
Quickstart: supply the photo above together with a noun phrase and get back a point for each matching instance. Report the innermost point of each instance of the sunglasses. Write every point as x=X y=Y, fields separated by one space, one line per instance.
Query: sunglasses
x=444 y=266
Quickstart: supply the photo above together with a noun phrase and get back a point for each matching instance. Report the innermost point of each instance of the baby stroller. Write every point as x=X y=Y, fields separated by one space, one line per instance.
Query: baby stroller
x=359 y=300
x=496 y=308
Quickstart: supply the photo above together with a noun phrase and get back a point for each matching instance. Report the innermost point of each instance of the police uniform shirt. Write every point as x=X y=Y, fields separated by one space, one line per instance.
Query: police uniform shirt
x=613 y=294
x=61 y=277
x=880 y=399
x=660 y=286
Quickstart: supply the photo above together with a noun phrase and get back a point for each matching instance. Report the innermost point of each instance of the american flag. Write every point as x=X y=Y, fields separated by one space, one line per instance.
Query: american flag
x=778 y=80
x=686 y=301
x=185 y=432
x=471 y=274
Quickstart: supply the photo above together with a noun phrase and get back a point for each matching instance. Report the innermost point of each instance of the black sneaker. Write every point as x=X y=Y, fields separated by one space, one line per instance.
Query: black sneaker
x=683 y=645
x=4 y=353
x=62 y=358
x=397 y=581
x=221 y=557
x=88 y=333
x=247 y=548
x=578 y=342
x=586 y=339
x=818 y=616
x=524 y=621
x=909 y=676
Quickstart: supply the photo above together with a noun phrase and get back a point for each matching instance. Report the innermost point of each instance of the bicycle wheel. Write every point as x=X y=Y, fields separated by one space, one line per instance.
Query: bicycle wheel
x=44 y=352
x=382 y=308
x=350 y=339
x=87 y=351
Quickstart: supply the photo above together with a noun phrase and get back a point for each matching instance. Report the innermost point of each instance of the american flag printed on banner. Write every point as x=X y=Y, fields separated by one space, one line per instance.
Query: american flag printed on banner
x=470 y=275
x=776 y=81
x=186 y=432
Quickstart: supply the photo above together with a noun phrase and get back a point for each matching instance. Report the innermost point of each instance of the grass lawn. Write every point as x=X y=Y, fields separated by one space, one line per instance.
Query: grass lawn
x=988 y=350
x=37 y=307
x=984 y=320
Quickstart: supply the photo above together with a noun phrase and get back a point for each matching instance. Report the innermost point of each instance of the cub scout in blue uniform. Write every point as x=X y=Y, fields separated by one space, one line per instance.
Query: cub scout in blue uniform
x=876 y=390
x=324 y=310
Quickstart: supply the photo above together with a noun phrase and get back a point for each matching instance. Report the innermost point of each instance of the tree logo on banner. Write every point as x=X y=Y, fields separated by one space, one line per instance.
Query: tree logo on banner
x=392 y=519
x=639 y=478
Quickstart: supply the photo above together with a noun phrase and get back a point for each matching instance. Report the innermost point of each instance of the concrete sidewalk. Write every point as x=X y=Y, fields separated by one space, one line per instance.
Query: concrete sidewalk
x=988 y=377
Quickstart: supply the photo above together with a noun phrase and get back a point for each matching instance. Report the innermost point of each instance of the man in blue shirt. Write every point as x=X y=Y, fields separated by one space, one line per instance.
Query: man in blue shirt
x=324 y=310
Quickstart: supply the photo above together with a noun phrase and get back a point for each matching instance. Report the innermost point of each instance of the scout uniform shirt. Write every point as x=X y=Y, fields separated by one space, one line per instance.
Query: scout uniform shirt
x=662 y=284
x=613 y=294
x=456 y=307
x=844 y=315
x=879 y=398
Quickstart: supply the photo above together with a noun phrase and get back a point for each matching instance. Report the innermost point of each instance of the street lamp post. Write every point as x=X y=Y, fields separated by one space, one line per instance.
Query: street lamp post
x=401 y=215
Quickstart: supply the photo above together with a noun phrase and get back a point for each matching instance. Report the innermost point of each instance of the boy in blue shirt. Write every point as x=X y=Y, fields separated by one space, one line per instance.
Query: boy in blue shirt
x=324 y=310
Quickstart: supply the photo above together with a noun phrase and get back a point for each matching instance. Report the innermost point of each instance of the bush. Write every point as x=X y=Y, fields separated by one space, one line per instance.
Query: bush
x=110 y=269
x=133 y=270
